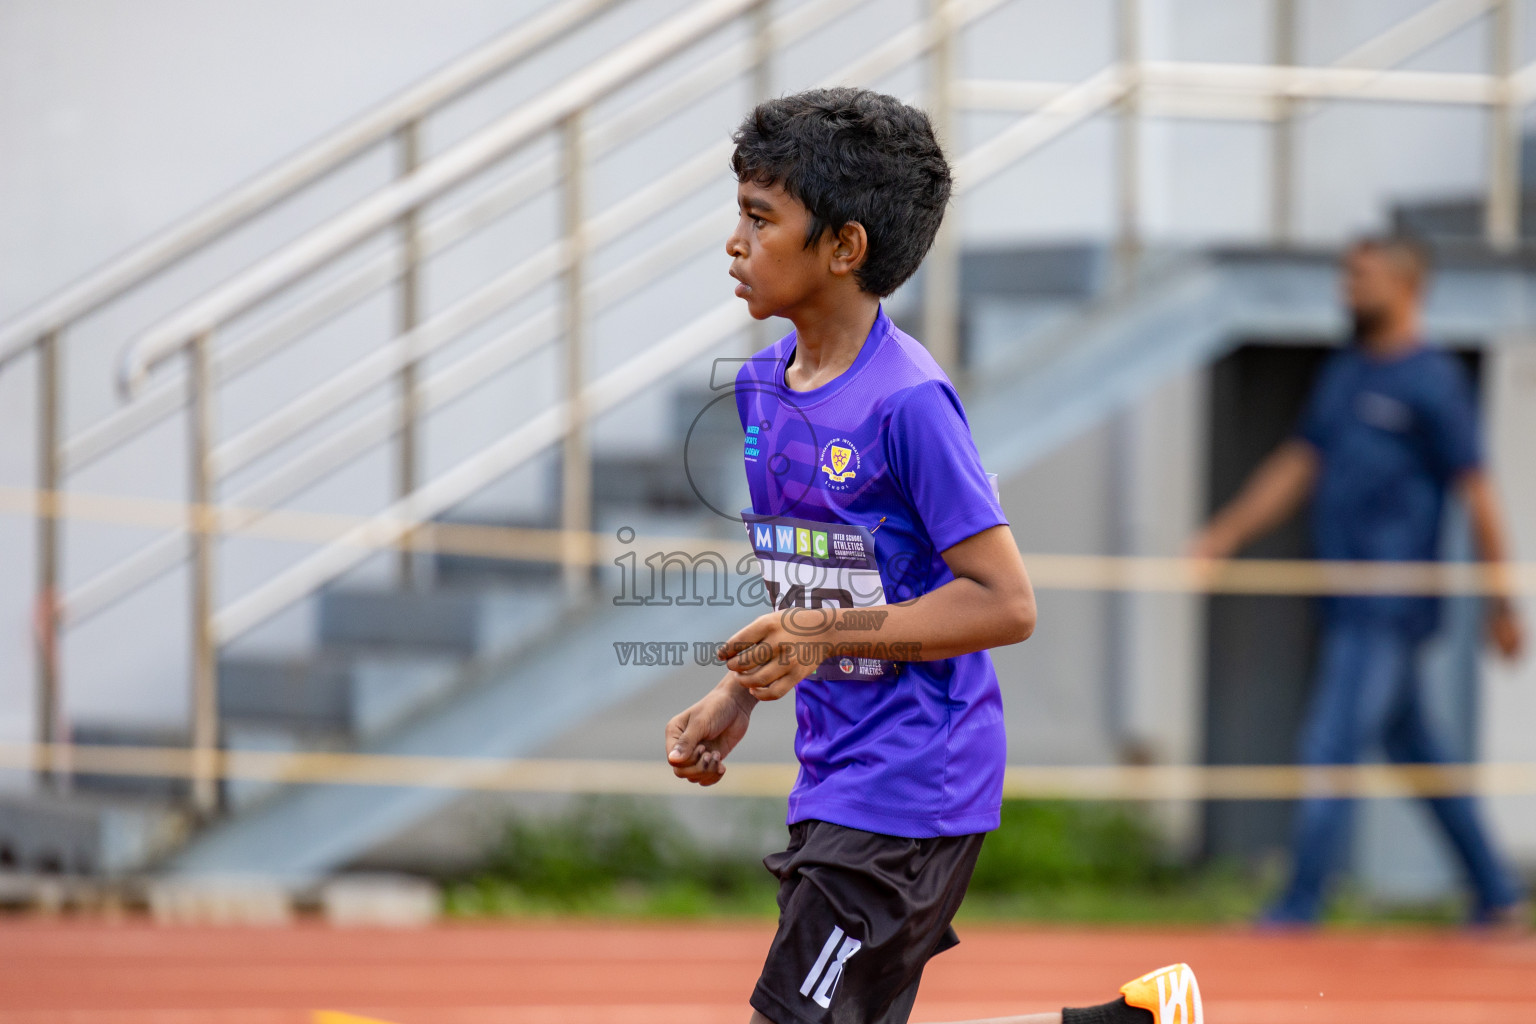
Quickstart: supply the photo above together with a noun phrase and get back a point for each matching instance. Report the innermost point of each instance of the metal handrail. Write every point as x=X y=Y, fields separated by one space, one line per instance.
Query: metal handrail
x=42 y=328
x=471 y=475
x=1097 y=94
x=1325 y=83
x=320 y=158
x=384 y=208
x=1248 y=85
x=117 y=581
x=608 y=391
x=375 y=426
x=511 y=285
x=1414 y=33
x=1185 y=80
x=1391 y=47
x=1053 y=118
x=159 y=400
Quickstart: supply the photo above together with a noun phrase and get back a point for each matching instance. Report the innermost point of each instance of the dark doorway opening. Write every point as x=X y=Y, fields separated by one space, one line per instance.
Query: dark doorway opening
x=1259 y=649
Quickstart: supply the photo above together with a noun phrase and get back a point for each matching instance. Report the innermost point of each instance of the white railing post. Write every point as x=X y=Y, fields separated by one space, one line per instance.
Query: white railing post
x=1501 y=224
x=576 y=463
x=1282 y=179
x=1128 y=147
x=941 y=275
x=760 y=333
x=202 y=531
x=49 y=712
x=762 y=51
x=408 y=141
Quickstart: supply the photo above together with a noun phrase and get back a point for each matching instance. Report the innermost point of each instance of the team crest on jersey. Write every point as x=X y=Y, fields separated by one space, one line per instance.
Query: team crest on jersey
x=840 y=462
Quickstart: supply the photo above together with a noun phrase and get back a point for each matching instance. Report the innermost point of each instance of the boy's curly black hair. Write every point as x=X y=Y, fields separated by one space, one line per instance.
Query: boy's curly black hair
x=853 y=155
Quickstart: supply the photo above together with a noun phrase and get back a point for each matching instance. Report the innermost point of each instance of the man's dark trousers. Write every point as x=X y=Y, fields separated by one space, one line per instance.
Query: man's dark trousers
x=1368 y=692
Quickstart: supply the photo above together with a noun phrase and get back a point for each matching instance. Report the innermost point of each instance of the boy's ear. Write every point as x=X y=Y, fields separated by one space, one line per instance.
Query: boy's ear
x=850 y=246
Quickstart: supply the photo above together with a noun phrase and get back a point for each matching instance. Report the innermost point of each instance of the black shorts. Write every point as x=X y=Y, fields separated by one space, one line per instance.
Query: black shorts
x=859 y=916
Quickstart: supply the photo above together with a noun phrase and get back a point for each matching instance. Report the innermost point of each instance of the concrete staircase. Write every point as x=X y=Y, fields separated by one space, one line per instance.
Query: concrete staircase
x=386 y=656
x=484 y=660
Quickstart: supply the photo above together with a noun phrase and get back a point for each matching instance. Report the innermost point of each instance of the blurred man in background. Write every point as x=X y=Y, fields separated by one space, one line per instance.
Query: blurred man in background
x=1389 y=429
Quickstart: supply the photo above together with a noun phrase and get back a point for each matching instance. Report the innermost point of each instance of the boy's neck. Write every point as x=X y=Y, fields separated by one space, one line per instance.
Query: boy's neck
x=828 y=339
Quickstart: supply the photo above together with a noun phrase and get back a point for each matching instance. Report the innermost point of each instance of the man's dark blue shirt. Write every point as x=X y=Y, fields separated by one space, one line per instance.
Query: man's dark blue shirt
x=1392 y=435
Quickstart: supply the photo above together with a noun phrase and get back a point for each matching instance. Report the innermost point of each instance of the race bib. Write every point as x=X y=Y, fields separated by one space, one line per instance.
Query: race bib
x=808 y=566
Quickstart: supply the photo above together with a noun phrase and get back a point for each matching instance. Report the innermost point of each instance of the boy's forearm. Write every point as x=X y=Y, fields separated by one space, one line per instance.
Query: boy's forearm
x=988 y=603
x=732 y=689
x=958 y=618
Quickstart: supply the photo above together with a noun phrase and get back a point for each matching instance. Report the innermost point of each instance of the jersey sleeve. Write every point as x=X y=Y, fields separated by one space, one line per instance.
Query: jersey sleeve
x=1451 y=426
x=930 y=449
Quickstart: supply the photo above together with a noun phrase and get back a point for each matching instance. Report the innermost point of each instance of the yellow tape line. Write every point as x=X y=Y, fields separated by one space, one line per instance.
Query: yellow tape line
x=1092 y=782
x=1048 y=571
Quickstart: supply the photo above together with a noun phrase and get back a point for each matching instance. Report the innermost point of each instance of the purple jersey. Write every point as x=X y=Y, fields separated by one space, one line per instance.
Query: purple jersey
x=884 y=446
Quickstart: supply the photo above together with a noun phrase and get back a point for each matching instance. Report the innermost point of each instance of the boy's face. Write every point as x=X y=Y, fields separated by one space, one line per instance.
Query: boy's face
x=775 y=270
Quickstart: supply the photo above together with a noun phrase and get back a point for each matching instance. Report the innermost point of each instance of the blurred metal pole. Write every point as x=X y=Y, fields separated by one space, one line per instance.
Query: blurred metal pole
x=1501 y=224
x=762 y=50
x=760 y=332
x=1282 y=179
x=48 y=709
x=1128 y=208
x=941 y=276
x=205 y=671
x=1118 y=610
x=408 y=142
x=1120 y=606
x=576 y=466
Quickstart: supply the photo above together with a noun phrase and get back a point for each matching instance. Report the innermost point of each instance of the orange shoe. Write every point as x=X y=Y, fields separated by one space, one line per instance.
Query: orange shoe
x=1170 y=994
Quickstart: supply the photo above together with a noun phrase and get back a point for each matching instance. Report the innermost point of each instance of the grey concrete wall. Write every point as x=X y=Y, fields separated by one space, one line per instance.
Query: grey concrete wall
x=1507 y=696
x=1054 y=684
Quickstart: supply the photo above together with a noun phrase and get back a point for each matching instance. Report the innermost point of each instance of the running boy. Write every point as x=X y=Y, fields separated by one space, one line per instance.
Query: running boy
x=853 y=424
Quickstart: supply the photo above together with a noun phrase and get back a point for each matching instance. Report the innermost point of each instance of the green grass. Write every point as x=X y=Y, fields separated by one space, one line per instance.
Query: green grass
x=1051 y=861
x=487 y=896
x=613 y=858
x=1061 y=861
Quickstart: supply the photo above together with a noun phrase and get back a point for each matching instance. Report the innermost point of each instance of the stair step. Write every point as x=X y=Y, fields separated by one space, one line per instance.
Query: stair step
x=357 y=696
x=82 y=834
x=657 y=482
x=1074 y=271
x=1455 y=219
x=465 y=623
x=313 y=694
x=152 y=788
x=46 y=836
x=705 y=416
x=471 y=572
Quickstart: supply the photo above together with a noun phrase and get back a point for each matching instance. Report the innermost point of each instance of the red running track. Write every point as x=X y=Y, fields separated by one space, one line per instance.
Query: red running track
x=76 y=972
